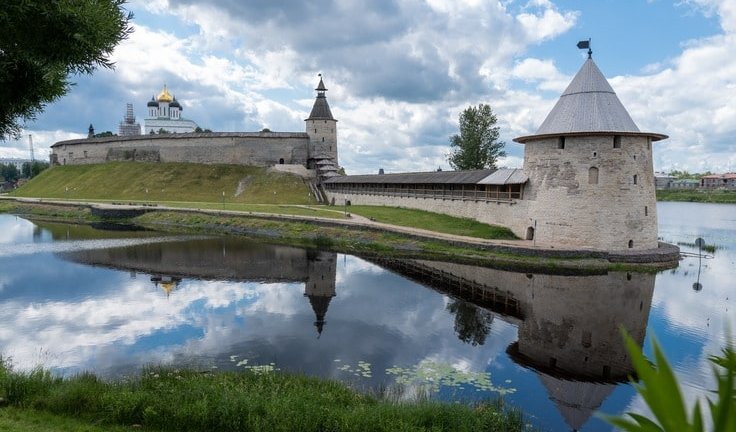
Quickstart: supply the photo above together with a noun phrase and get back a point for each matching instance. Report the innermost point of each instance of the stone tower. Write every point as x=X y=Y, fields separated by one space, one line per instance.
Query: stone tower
x=319 y=287
x=322 y=129
x=591 y=179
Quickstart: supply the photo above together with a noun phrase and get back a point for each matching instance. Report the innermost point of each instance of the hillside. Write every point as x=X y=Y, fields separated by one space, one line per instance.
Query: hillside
x=168 y=182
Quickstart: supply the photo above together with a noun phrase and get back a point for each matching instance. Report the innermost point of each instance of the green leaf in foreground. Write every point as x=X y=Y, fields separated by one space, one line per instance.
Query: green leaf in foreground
x=659 y=388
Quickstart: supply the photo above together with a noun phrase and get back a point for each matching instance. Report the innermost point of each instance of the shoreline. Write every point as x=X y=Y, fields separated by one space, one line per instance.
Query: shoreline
x=357 y=236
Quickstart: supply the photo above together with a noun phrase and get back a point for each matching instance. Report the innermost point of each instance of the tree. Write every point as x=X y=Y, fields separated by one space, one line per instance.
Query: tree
x=472 y=324
x=477 y=146
x=42 y=43
x=9 y=172
x=30 y=170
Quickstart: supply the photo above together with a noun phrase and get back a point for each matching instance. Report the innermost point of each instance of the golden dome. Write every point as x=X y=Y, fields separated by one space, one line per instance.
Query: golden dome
x=164 y=96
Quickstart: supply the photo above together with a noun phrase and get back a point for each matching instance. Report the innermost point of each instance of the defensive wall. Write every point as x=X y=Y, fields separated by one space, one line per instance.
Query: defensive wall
x=241 y=148
x=507 y=213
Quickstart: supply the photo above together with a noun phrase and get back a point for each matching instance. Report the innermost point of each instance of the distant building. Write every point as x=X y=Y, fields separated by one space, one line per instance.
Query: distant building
x=129 y=126
x=662 y=180
x=684 y=184
x=14 y=161
x=164 y=113
x=718 y=181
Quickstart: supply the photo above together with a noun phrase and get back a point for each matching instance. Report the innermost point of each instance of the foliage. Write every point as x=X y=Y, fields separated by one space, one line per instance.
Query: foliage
x=660 y=389
x=472 y=323
x=42 y=43
x=9 y=172
x=477 y=146
x=200 y=130
x=32 y=169
x=103 y=134
x=683 y=175
x=190 y=400
x=706 y=196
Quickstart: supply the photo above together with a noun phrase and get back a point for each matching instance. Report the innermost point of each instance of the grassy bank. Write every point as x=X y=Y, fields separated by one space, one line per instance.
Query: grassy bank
x=433 y=222
x=167 y=399
x=362 y=242
x=715 y=196
x=168 y=182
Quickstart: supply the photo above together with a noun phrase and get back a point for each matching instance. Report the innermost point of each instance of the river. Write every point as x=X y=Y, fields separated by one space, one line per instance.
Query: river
x=77 y=298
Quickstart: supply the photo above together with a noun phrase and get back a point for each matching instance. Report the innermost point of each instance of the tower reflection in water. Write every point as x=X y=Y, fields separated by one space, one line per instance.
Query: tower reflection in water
x=568 y=326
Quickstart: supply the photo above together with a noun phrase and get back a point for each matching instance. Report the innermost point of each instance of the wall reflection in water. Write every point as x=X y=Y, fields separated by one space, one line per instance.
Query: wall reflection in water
x=568 y=326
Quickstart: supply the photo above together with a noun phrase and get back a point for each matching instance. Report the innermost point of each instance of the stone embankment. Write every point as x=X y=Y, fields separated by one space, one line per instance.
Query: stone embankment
x=666 y=255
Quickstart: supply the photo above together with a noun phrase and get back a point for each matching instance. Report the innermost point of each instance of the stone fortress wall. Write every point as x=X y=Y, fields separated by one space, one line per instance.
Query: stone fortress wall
x=244 y=148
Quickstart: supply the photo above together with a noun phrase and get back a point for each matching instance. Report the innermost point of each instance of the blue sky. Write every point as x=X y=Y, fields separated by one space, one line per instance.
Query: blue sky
x=400 y=71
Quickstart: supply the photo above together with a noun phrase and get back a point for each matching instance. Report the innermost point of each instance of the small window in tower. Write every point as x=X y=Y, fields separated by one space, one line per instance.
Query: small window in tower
x=635 y=178
x=561 y=142
x=593 y=175
x=323 y=139
x=617 y=141
x=595 y=154
x=649 y=143
x=85 y=153
x=315 y=130
x=631 y=244
x=646 y=211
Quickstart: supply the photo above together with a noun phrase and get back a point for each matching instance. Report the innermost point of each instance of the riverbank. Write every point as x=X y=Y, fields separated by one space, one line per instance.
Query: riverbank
x=357 y=236
x=168 y=399
x=702 y=196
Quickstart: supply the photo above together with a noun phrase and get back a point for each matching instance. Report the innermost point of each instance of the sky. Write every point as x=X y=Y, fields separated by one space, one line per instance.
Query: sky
x=399 y=72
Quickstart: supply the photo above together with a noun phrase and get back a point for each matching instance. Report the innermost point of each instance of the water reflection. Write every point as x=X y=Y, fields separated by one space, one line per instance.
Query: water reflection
x=137 y=298
x=568 y=327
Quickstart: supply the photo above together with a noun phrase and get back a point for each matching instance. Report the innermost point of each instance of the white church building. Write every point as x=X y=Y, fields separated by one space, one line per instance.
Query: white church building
x=164 y=113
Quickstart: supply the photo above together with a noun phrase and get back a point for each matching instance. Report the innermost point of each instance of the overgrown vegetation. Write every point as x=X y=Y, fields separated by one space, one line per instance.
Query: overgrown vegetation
x=433 y=222
x=168 y=399
x=660 y=389
x=152 y=182
x=705 y=196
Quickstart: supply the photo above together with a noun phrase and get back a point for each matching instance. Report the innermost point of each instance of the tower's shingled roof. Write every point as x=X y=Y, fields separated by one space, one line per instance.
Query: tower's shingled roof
x=321 y=110
x=588 y=106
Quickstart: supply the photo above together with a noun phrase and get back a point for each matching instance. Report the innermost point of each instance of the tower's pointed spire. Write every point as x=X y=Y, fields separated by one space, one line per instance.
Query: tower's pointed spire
x=321 y=109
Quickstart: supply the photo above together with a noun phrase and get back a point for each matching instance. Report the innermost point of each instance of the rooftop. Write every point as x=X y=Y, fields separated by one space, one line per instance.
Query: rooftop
x=588 y=106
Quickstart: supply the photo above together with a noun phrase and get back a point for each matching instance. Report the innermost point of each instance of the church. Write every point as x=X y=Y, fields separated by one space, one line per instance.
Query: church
x=164 y=114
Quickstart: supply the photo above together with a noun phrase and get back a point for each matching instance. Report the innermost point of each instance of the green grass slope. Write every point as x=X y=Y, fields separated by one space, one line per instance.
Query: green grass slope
x=121 y=181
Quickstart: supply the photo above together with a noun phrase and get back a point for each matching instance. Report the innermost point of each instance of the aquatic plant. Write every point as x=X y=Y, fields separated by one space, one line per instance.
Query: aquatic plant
x=660 y=389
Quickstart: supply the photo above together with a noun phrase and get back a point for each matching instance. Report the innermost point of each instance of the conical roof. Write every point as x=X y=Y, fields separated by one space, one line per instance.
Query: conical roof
x=588 y=106
x=576 y=400
x=321 y=109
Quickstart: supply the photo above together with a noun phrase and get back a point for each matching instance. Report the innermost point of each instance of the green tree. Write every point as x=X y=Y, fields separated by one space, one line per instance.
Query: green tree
x=477 y=146
x=42 y=43
x=9 y=172
x=30 y=170
x=472 y=324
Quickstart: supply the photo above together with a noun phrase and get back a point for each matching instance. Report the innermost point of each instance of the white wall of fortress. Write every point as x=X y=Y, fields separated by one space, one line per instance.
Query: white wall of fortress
x=570 y=211
x=260 y=149
x=510 y=214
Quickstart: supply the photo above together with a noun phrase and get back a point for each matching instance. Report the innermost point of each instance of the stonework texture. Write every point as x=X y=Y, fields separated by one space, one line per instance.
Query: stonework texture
x=611 y=207
x=259 y=149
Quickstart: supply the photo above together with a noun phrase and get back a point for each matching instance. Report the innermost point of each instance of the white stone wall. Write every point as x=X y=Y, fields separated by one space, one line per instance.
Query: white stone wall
x=323 y=137
x=571 y=212
x=509 y=214
x=259 y=149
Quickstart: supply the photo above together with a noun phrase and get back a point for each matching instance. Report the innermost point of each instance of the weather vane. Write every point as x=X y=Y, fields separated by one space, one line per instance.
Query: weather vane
x=584 y=45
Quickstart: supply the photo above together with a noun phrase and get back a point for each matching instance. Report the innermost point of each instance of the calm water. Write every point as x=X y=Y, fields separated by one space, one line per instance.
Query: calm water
x=77 y=298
